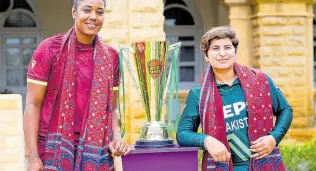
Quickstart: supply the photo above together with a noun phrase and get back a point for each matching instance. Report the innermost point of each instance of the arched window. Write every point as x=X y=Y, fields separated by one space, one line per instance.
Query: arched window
x=19 y=38
x=182 y=24
x=20 y=19
x=178 y=16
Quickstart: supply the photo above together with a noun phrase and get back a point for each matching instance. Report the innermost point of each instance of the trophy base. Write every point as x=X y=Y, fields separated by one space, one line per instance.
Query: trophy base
x=154 y=143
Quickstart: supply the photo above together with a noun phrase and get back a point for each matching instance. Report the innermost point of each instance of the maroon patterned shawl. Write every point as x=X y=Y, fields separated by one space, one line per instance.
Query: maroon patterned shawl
x=260 y=116
x=96 y=132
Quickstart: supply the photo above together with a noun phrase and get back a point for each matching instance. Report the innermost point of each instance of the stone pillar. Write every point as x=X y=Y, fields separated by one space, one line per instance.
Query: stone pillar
x=115 y=30
x=240 y=12
x=283 y=47
x=128 y=21
x=146 y=24
x=12 y=146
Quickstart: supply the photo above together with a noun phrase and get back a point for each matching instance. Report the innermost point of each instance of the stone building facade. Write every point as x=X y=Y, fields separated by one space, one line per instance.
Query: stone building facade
x=276 y=36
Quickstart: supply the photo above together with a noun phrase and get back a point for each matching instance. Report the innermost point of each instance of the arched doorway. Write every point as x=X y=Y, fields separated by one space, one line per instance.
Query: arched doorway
x=19 y=36
x=183 y=24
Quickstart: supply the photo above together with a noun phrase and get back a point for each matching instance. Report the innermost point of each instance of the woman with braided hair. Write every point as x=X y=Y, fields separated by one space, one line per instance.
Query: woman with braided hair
x=235 y=106
x=70 y=120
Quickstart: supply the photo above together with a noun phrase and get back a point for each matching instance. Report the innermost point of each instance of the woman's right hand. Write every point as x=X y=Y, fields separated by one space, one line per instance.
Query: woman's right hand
x=217 y=150
x=35 y=164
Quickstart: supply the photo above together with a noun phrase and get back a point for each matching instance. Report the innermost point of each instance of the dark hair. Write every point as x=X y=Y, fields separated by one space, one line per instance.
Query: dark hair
x=76 y=2
x=220 y=32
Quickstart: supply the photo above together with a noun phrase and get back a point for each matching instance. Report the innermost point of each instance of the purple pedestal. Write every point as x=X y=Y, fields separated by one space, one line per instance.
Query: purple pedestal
x=162 y=159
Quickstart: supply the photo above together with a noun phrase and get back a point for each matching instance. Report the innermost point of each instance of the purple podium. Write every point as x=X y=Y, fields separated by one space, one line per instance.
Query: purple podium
x=174 y=158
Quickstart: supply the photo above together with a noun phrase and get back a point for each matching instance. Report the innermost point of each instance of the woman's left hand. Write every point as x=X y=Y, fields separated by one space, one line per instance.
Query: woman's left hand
x=119 y=148
x=262 y=147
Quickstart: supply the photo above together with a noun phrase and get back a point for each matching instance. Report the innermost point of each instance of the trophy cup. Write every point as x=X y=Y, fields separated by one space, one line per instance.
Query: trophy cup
x=152 y=77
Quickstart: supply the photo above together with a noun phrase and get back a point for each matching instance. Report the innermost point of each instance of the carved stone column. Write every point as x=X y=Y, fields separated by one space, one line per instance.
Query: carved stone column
x=240 y=13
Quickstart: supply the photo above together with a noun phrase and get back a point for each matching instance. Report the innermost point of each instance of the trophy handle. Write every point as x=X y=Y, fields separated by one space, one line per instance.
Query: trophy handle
x=130 y=69
x=123 y=50
x=127 y=49
x=175 y=47
x=172 y=80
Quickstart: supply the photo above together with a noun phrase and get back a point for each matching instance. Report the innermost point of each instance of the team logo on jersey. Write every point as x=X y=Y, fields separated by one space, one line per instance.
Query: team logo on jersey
x=33 y=63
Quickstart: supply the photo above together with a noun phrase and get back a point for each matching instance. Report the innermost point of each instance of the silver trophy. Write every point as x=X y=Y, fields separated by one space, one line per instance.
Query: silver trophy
x=152 y=81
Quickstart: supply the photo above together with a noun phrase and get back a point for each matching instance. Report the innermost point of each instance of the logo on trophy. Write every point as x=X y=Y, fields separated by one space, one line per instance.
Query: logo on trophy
x=154 y=74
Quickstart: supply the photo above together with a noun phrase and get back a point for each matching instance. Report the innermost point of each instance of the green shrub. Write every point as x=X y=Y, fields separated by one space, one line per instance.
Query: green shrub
x=300 y=157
